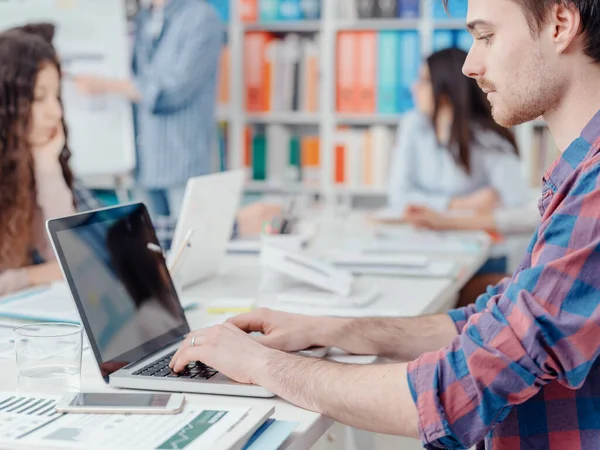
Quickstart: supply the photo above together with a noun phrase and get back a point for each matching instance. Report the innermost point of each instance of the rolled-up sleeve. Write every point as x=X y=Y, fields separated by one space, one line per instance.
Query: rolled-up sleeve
x=542 y=327
x=195 y=47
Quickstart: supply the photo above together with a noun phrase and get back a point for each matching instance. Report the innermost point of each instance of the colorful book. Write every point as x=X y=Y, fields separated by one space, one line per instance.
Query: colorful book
x=289 y=10
x=409 y=9
x=259 y=158
x=387 y=72
x=365 y=8
x=248 y=10
x=385 y=9
x=443 y=39
x=311 y=9
x=410 y=57
x=367 y=72
x=346 y=76
x=268 y=10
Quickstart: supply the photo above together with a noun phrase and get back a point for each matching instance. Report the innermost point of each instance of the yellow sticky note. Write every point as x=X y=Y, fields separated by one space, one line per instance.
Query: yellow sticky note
x=230 y=306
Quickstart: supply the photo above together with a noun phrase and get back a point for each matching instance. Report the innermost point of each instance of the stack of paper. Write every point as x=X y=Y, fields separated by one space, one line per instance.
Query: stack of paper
x=53 y=303
x=47 y=304
x=369 y=262
x=30 y=422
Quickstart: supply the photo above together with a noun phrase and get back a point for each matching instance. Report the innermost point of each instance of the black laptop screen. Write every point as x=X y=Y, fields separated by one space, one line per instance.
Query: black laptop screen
x=120 y=283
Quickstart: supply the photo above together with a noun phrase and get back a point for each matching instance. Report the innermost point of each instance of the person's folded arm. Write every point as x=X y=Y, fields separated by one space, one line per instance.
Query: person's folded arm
x=543 y=327
x=167 y=88
x=12 y=280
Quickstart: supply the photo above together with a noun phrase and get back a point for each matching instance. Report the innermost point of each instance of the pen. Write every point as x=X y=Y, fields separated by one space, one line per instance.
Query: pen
x=185 y=244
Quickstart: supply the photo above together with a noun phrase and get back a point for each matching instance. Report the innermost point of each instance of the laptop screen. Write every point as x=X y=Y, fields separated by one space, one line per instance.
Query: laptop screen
x=120 y=282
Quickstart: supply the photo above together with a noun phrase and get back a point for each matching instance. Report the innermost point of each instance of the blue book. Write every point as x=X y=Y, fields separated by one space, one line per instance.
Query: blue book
x=443 y=39
x=387 y=71
x=271 y=435
x=408 y=9
x=268 y=10
x=439 y=12
x=222 y=7
x=289 y=10
x=464 y=40
x=457 y=9
x=410 y=58
x=311 y=9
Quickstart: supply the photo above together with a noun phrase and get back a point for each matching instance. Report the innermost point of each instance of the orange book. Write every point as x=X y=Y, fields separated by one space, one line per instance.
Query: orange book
x=269 y=65
x=248 y=10
x=346 y=72
x=311 y=159
x=257 y=71
x=223 y=92
x=340 y=164
x=366 y=70
x=247 y=146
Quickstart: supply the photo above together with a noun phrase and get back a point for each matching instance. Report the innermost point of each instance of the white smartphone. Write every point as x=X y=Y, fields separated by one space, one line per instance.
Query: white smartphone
x=120 y=403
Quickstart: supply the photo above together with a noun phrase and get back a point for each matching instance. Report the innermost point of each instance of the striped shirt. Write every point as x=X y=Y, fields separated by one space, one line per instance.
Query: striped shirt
x=175 y=66
x=524 y=371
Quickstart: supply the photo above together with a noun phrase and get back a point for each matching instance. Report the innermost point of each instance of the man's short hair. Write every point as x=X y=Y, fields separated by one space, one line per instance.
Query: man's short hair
x=536 y=12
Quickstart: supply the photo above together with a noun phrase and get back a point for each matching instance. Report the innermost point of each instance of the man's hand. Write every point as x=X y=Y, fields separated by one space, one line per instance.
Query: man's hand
x=284 y=331
x=91 y=85
x=227 y=349
x=423 y=217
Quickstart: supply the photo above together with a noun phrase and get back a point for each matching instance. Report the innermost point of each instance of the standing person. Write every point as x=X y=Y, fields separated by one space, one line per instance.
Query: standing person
x=175 y=62
x=518 y=369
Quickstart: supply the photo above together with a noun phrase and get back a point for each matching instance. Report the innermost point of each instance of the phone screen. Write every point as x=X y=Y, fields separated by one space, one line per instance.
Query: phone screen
x=121 y=400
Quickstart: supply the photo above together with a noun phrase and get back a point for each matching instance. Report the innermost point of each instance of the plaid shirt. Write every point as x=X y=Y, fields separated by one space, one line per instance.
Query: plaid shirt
x=523 y=373
x=86 y=201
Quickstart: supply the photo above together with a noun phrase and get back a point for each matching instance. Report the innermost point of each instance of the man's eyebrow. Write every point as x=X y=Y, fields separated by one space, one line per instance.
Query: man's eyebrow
x=477 y=23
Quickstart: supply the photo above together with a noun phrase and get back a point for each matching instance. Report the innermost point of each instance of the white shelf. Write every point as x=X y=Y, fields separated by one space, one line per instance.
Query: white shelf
x=290 y=118
x=365 y=191
x=298 y=26
x=268 y=187
x=449 y=24
x=368 y=119
x=378 y=24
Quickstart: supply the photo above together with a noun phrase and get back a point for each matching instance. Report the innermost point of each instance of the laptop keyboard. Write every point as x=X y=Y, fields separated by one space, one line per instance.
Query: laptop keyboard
x=161 y=368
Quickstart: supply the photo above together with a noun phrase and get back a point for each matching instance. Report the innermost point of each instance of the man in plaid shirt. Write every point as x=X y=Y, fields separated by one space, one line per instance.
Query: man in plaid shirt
x=519 y=369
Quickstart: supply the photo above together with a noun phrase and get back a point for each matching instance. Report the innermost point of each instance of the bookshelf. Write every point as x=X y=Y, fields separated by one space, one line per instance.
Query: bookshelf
x=326 y=121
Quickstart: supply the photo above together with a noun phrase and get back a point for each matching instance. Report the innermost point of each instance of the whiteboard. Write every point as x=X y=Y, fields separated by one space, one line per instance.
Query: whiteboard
x=91 y=37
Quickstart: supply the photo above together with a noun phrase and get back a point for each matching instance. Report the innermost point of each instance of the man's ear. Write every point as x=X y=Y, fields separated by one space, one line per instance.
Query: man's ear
x=564 y=24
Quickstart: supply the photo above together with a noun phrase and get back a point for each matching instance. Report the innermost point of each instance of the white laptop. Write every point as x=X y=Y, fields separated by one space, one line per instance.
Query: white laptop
x=209 y=209
x=127 y=302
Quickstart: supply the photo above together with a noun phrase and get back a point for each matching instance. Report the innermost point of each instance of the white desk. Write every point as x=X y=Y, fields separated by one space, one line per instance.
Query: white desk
x=240 y=277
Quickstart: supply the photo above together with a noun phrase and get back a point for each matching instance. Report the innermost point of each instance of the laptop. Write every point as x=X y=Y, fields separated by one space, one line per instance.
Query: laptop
x=128 y=305
x=209 y=208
